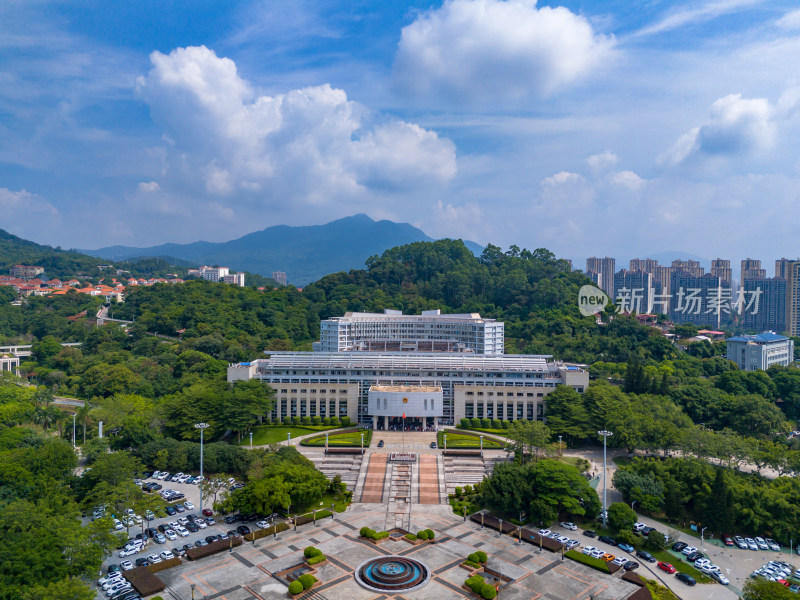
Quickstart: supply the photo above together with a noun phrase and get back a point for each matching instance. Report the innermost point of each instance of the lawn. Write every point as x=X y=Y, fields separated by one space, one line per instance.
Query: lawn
x=464 y=441
x=348 y=439
x=595 y=563
x=683 y=567
x=273 y=434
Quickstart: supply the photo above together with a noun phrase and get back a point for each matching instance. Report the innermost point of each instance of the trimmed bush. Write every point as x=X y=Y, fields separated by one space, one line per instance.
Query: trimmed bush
x=505 y=424
x=459 y=492
x=431 y=534
x=482 y=557
x=326 y=421
x=305 y=420
x=315 y=560
x=295 y=420
x=465 y=423
x=316 y=420
x=422 y=535
x=475 y=422
x=469 y=563
x=467 y=490
x=475 y=583
x=286 y=420
x=473 y=558
x=310 y=552
x=307 y=581
x=363 y=531
x=295 y=588
x=496 y=424
x=335 y=421
x=411 y=536
x=345 y=421
x=486 y=423
x=488 y=592
x=382 y=535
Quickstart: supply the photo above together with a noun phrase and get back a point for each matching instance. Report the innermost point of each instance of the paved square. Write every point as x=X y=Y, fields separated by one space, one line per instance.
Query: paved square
x=250 y=572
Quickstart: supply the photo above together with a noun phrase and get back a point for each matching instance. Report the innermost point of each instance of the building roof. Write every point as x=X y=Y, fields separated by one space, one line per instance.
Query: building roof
x=398 y=315
x=761 y=338
x=405 y=388
x=441 y=361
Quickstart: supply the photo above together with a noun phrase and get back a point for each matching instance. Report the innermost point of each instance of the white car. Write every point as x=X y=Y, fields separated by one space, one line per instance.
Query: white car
x=720 y=578
x=263 y=524
x=170 y=534
x=544 y=532
x=167 y=554
x=126 y=565
x=154 y=558
x=597 y=554
x=589 y=549
x=709 y=568
x=183 y=521
x=113 y=589
x=751 y=543
x=115 y=576
x=182 y=531
x=188 y=505
x=639 y=526
x=163 y=475
x=570 y=526
x=762 y=545
x=127 y=552
x=572 y=544
x=689 y=550
x=621 y=560
x=739 y=541
x=701 y=562
x=149 y=515
x=198 y=480
x=176 y=477
x=200 y=523
x=118 y=524
x=773 y=545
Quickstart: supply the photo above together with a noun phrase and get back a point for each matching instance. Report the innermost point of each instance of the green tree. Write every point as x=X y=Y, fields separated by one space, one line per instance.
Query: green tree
x=528 y=439
x=761 y=589
x=621 y=516
x=717 y=505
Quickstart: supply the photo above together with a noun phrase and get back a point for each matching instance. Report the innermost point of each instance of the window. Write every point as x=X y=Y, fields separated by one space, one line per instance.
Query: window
x=469 y=410
x=425 y=403
x=432 y=404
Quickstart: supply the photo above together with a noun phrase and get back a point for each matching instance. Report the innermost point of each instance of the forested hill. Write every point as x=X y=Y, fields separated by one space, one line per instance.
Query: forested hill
x=533 y=292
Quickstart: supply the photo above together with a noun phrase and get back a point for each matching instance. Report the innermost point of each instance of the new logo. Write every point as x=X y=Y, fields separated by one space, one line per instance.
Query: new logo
x=591 y=300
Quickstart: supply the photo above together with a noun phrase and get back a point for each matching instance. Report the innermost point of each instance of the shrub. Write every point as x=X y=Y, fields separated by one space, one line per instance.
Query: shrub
x=295 y=420
x=306 y=420
x=364 y=531
x=488 y=592
x=315 y=560
x=345 y=421
x=286 y=420
x=459 y=491
x=381 y=535
x=655 y=541
x=628 y=537
x=310 y=552
x=326 y=421
x=475 y=583
x=482 y=557
x=496 y=424
x=411 y=536
x=473 y=558
x=505 y=424
x=465 y=423
x=486 y=423
x=422 y=535
x=335 y=421
x=307 y=581
x=316 y=420
x=475 y=422
x=295 y=588
x=164 y=564
x=430 y=533
x=467 y=490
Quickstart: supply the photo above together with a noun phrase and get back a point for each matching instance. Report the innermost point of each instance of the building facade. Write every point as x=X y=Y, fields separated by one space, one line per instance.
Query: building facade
x=751 y=269
x=279 y=277
x=769 y=314
x=634 y=291
x=760 y=352
x=451 y=386
x=693 y=299
x=234 y=278
x=604 y=267
x=25 y=271
x=792 y=298
x=392 y=331
x=692 y=267
x=721 y=268
x=214 y=274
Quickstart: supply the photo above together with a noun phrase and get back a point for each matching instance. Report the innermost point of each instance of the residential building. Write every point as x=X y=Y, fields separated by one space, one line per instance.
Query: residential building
x=370 y=386
x=214 y=274
x=782 y=266
x=605 y=268
x=692 y=267
x=662 y=277
x=722 y=268
x=763 y=304
x=279 y=277
x=392 y=331
x=793 y=298
x=25 y=271
x=760 y=352
x=648 y=265
x=751 y=269
x=634 y=291
x=9 y=363
x=699 y=299
x=234 y=278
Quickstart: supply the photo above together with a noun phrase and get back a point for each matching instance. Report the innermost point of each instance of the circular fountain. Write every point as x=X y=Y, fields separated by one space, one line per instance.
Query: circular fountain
x=392 y=574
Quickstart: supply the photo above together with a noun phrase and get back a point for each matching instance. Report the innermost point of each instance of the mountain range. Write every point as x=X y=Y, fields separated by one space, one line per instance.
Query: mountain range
x=304 y=253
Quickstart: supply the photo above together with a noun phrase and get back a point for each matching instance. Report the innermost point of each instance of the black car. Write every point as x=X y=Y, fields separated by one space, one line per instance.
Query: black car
x=380 y=443
x=433 y=444
x=170 y=510
x=231 y=519
x=647 y=530
x=142 y=562
x=589 y=533
x=200 y=543
x=211 y=538
x=679 y=546
x=180 y=508
x=687 y=579
x=646 y=556
x=607 y=540
x=155 y=487
x=234 y=534
x=243 y=529
x=163 y=527
x=695 y=556
x=630 y=565
x=192 y=527
x=150 y=532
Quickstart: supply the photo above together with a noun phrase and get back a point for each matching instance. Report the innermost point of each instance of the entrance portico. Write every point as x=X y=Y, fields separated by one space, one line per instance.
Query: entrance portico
x=421 y=405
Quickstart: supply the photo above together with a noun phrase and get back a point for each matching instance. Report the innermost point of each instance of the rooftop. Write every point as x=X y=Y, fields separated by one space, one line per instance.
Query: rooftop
x=760 y=338
x=405 y=388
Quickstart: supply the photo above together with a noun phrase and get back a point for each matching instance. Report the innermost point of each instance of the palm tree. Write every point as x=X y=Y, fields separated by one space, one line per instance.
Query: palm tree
x=84 y=417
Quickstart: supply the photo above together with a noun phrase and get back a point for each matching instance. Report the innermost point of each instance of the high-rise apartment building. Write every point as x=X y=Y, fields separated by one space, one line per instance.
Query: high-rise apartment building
x=763 y=304
x=793 y=298
x=782 y=266
x=214 y=274
x=279 y=277
x=722 y=268
x=692 y=267
x=605 y=268
x=699 y=300
x=648 y=265
x=234 y=278
x=634 y=291
x=661 y=281
x=751 y=269
x=25 y=271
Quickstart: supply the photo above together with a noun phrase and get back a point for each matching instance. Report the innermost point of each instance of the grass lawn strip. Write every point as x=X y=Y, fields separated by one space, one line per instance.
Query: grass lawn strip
x=464 y=441
x=348 y=439
x=273 y=434
x=589 y=561
x=683 y=567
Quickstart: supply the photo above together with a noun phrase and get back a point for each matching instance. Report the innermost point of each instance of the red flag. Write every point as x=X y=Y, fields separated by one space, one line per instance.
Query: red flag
x=404 y=414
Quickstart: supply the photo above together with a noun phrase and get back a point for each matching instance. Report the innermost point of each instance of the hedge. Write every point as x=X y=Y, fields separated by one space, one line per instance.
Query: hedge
x=371 y=534
x=482 y=556
x=307 y=580
x=260 y=533
x=488 y=592
x=595 y=563
x=212 y=548
x=310 y=552
x=145 y=582
x=475 y=583
x=295 y=588
x=309 y=517
x=164 y=564
x=411 y=537
x=315 y=560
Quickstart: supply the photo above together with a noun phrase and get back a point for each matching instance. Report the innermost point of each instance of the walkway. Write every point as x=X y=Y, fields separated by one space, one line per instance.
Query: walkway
x=372 y=487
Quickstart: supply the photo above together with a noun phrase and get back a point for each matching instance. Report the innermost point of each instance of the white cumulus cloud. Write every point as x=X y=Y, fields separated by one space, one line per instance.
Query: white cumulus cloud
x=309 y=146
x=480 y=50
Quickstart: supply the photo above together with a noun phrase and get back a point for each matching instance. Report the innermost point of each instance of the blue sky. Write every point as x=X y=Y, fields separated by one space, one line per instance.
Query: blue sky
x=591 y=128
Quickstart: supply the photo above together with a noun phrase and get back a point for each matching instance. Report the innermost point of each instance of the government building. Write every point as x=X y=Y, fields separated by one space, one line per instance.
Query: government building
x=431 y=388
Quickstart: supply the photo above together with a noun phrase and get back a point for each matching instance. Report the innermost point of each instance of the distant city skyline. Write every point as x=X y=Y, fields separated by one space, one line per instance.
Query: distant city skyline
x=584 y=127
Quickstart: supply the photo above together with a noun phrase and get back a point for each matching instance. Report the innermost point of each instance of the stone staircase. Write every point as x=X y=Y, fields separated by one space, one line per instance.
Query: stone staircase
x=401 y=489
x=460 y=471
x=347 y=466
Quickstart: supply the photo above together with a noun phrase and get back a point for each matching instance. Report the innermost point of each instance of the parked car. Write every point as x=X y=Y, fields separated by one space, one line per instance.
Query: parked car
x=167 y=554
x=751 y=543
x=761 y=543
x=630 y=565
x=142 y=562
x=570 y=526
x=608 y=557
x=380 y=443
x=262 y=524
x=679 y=546
x=773 y=545
x=720 y=578
x=644 y=555
x=243 y=529
x=126 y=565
x=589 y=533
x=170 y=510
x=664 y=566
x=739 y=541
x=200 y=543
x=727 y=540
x=689 y=550
x=208 y=512
x=188 y=505
x=544 y=532
x=620 y=561
x=694 y=556
x=625 y=547
x=607 y=540
x=687 y=579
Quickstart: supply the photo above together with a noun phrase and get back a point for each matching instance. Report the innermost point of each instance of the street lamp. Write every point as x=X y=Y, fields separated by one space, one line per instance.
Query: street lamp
x=73 y=429
x=251 y=440
x=701 y=537
x=559 y=445
x=201 y=427
x=481 y=445
x=288 y=438
x=362 y=443
x=445 y=442
x=606 y=434
x=632 y=503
